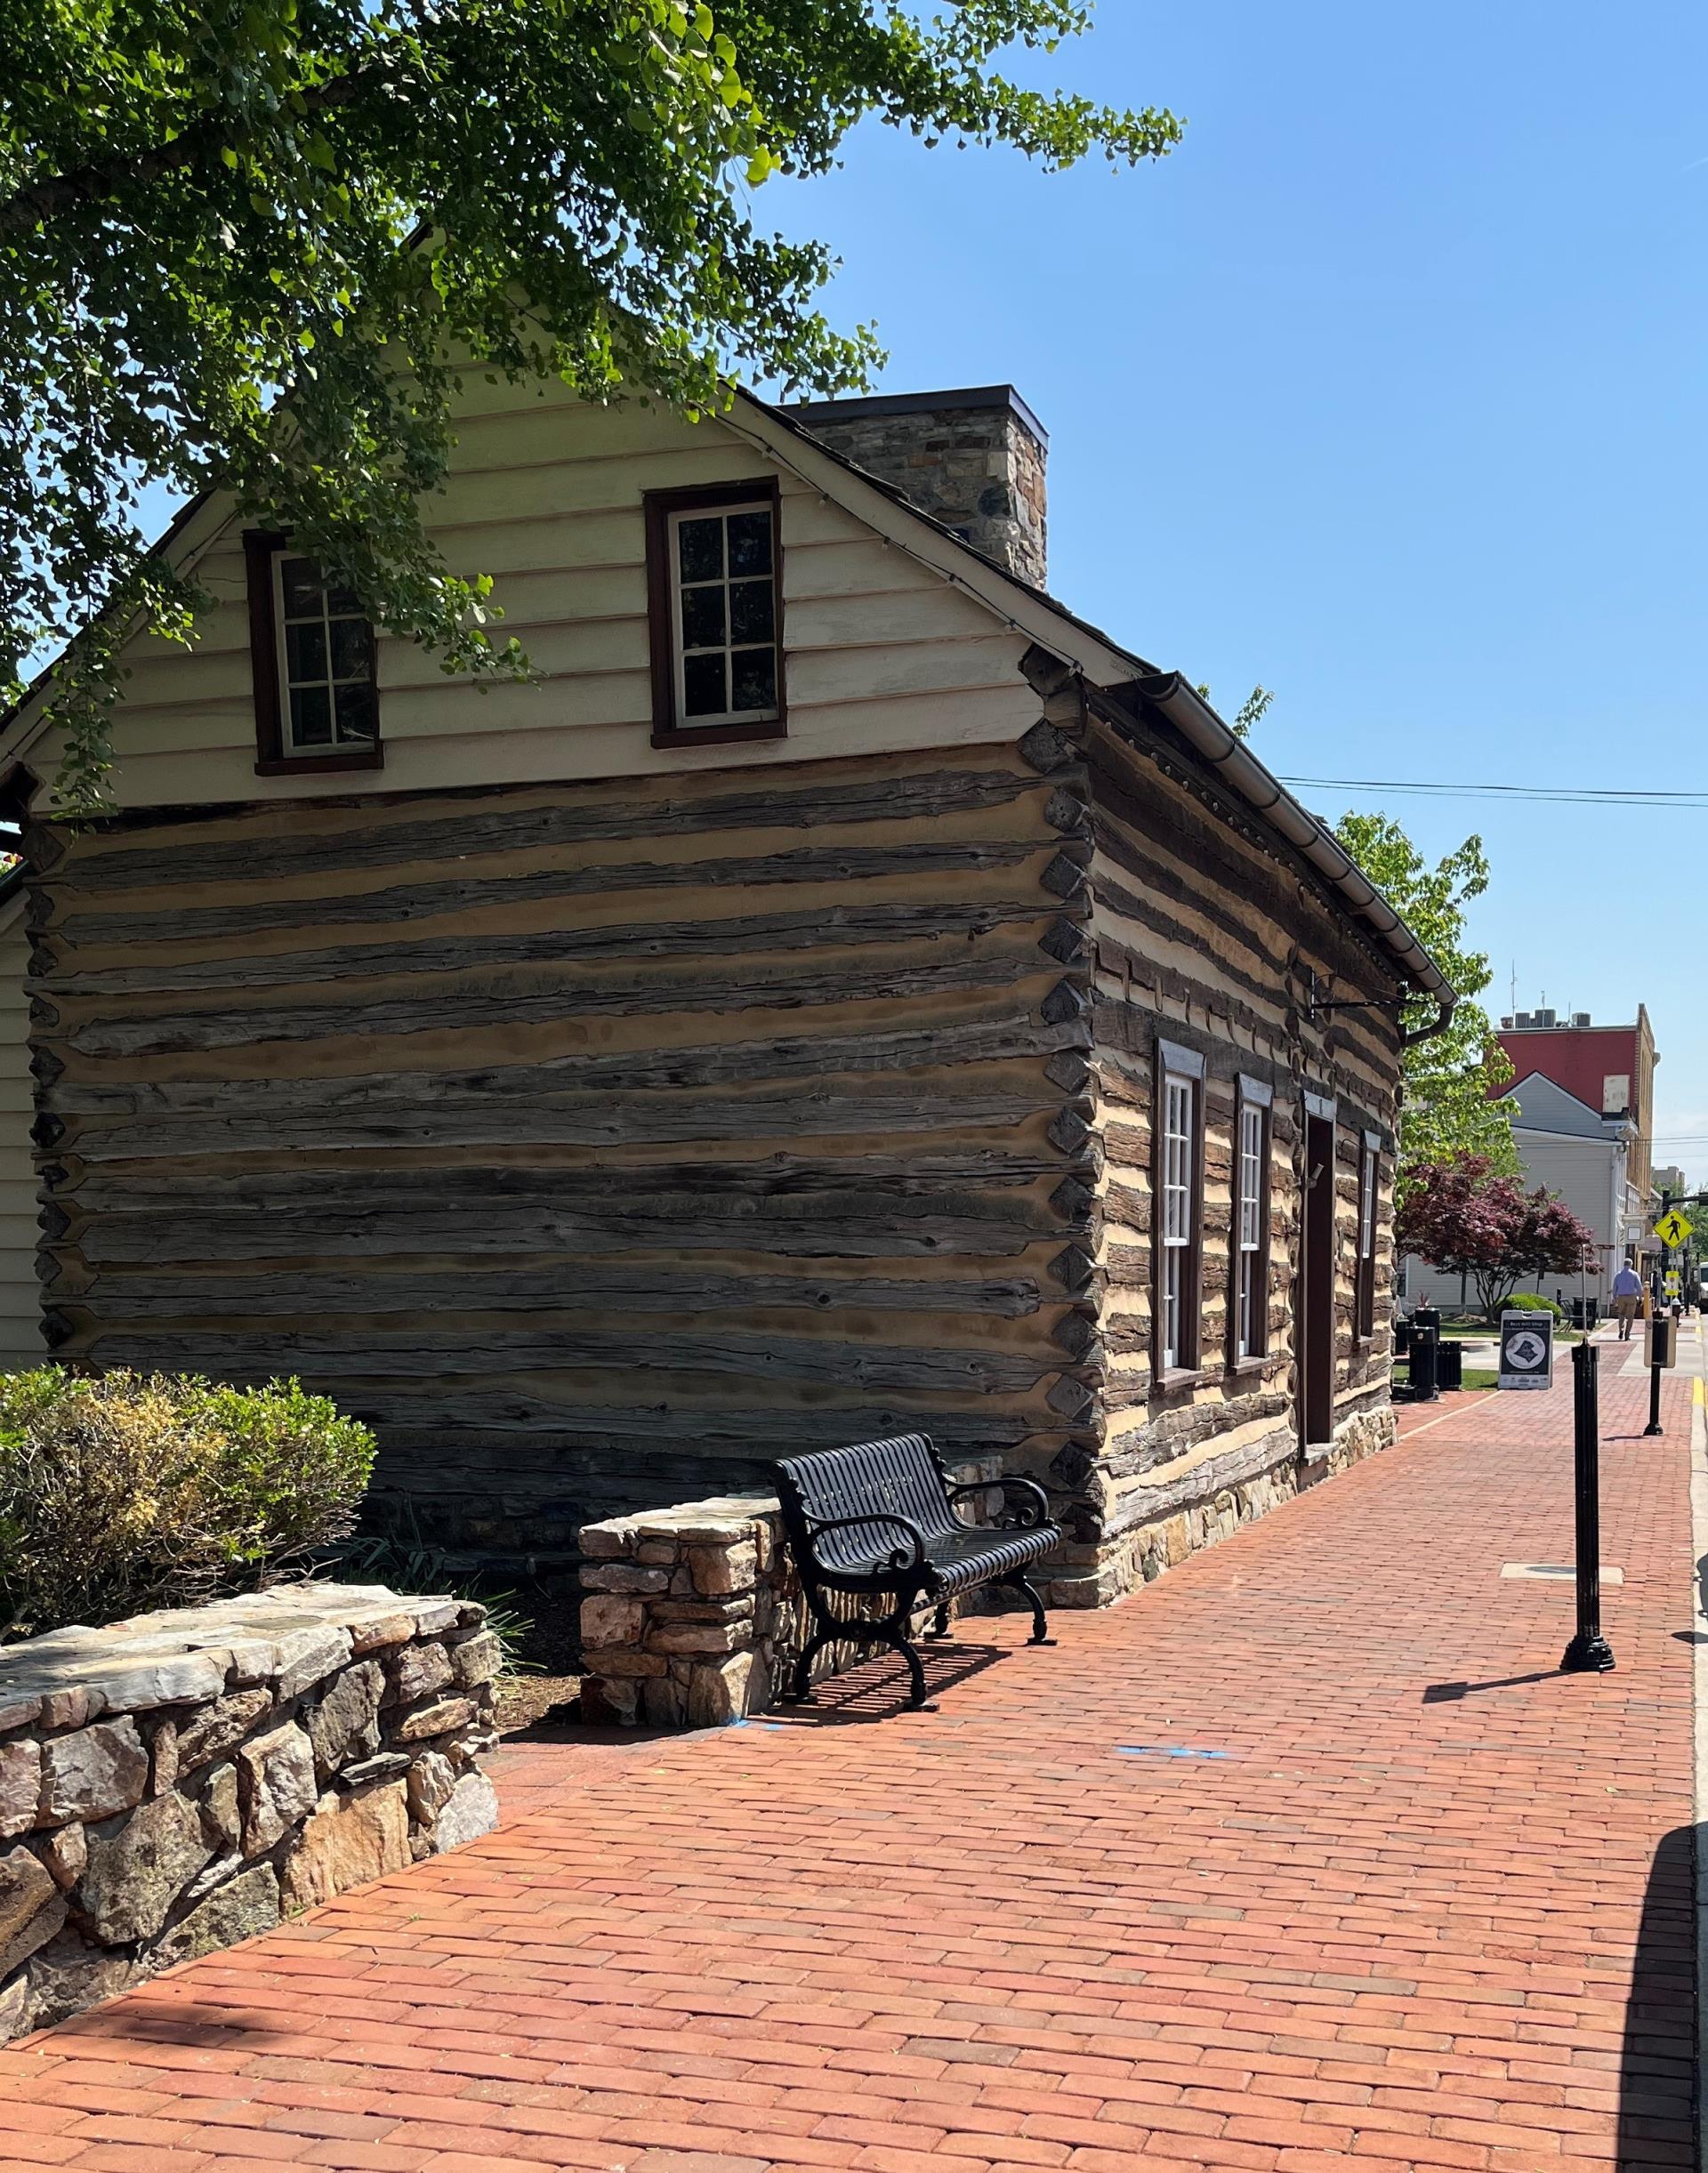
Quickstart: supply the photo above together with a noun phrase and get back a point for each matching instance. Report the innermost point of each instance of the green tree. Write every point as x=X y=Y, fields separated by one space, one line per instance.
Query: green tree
x=1448 y=1079
x=263 y=246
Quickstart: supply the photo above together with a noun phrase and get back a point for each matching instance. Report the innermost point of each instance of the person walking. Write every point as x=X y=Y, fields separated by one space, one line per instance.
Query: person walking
x=1627 y=1299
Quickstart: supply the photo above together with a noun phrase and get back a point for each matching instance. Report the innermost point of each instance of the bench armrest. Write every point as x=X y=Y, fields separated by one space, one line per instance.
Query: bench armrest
x=1026 y=1507
x=899 y=1559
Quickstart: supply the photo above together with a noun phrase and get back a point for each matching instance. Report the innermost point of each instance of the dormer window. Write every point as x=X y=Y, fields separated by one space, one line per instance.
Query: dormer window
x=312 y=650
x=715 y=600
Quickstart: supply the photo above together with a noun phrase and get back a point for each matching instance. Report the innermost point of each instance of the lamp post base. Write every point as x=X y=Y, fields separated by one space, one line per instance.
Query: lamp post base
x=1587 y=1656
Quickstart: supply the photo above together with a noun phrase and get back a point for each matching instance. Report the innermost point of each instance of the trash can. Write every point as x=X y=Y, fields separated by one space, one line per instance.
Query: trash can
x=1449 y=1364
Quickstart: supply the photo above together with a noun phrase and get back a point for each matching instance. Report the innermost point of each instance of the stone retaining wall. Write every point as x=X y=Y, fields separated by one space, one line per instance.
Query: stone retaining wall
x=172 y=1783
x=680 y=1620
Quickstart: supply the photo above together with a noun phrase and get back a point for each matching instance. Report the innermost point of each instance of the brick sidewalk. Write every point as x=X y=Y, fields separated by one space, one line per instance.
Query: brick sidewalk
x=1303 y=1859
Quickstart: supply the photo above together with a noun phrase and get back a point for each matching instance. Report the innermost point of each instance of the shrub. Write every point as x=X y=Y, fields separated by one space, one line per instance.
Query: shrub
x=127 y=1491
x=1532 y=1302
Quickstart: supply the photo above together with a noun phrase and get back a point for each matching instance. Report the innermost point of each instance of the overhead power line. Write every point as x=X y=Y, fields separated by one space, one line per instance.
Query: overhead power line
x=1588 y=795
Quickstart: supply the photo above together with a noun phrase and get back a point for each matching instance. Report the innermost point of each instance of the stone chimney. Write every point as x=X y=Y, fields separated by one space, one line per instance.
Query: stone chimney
x=973 y=459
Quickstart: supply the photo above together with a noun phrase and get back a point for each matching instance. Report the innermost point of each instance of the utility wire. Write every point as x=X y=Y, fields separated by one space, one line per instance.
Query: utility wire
x=1593 y=796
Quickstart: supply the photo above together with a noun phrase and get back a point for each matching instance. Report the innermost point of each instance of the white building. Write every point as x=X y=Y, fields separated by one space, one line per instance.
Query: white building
x=1571 y=1149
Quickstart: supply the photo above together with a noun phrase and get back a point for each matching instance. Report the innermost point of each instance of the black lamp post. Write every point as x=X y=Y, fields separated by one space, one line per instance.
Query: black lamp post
x=1589 y=1651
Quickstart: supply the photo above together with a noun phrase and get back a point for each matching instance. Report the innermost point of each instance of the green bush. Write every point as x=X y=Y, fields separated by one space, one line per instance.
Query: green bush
x=1532 y=1302
x=131 y=1491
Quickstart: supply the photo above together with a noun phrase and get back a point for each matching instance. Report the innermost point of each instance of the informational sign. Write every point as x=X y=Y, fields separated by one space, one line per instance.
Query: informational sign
x=1673 y=1228
x=1672 y=1281
x=1526 y=1351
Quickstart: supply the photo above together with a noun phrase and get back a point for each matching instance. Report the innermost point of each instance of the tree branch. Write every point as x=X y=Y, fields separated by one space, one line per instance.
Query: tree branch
x=39 y=201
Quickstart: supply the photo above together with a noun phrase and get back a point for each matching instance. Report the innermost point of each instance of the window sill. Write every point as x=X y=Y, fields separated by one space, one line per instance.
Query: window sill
x=320 y=765
x=719 y=734
x=1258 y=1364
x=1179 y=1377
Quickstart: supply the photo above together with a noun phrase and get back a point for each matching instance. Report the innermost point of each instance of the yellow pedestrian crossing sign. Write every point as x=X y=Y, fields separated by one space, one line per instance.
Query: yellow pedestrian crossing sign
x=1673 y=1228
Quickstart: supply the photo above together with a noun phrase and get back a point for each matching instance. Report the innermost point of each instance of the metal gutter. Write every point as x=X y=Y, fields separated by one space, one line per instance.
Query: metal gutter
x=1204 y=732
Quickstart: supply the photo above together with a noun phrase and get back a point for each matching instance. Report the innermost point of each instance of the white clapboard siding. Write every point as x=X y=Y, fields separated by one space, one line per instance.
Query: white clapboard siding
x=882 y=653
x=20 y=1332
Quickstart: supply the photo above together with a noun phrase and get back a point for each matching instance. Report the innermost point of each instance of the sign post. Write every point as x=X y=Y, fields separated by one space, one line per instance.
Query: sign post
x=1526 y=1351
x=1661 y=1352
x=1589 y=1652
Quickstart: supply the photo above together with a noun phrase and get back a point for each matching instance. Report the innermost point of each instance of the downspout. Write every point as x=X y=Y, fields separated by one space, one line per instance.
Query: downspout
x=1439 y=1023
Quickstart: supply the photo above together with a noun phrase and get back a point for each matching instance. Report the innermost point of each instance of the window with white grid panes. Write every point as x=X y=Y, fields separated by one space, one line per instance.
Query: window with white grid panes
x=326 y=661
x=1366 y=1290
x=1252 y=1230
x=1178 y=1221
x=723 y=583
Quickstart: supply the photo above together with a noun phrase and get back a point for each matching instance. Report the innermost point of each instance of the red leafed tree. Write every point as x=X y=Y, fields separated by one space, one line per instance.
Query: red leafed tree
x=1463 y=1218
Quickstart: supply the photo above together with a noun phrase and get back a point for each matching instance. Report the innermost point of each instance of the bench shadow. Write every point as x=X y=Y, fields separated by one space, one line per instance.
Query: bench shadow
x=876 y=1689
x=1657 y=2052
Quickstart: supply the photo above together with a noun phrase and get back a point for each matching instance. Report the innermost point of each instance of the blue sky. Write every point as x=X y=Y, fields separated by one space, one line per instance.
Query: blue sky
x=1387 y=388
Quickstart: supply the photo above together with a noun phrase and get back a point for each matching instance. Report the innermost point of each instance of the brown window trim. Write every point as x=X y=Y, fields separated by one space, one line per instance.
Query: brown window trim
x=261 y=547
x=1251 y=1094
x=1173 y=1061
x=668 y=730
x=1364 y=1318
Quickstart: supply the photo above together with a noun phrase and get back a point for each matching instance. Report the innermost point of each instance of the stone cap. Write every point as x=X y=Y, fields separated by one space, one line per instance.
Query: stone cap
x=720 y=1516
x=184 y=1653
x=962 y=397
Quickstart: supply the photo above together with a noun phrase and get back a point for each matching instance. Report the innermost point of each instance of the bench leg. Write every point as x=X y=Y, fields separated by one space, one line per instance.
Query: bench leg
x=802 y=1691
x=1022 y=1583
x=916 y=1672
x=941 y=1621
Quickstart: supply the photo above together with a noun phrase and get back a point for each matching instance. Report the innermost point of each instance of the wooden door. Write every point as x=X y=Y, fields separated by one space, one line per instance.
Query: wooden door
x=1314 y=1326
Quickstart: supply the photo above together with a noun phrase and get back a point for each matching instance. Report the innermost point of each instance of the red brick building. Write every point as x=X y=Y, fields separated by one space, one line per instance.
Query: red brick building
x=1611 y=1068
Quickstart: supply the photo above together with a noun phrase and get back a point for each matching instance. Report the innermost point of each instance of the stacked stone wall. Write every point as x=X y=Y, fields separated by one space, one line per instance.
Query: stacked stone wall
x=692 y=1616
x=172 y=1783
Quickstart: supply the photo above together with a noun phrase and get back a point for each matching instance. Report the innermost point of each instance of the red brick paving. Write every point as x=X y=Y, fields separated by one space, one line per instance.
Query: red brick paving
x=1303 y=1859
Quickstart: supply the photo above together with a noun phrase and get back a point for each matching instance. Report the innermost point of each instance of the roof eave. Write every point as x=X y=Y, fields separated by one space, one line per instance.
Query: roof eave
x=1233 y=761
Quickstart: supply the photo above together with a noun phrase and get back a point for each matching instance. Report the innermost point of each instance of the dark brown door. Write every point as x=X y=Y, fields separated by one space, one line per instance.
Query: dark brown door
x=1316 y=1322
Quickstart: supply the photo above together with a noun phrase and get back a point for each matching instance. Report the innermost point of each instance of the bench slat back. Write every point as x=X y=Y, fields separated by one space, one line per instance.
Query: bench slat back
x=899 y=1478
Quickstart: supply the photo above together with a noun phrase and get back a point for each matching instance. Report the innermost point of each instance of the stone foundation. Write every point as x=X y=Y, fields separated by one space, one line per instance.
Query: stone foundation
x=1173 y=1518
x=175 y=1783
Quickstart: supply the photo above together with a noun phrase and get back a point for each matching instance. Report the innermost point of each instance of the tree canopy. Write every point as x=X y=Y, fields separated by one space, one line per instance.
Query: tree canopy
x=1448 y=1078
x=261 y=246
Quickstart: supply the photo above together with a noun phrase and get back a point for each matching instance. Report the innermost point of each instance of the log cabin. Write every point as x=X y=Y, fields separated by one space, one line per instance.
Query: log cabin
x=844 y=992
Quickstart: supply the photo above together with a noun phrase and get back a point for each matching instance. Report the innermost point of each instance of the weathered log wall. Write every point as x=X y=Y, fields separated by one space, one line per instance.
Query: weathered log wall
x=595 y=1143
x=1202 y=934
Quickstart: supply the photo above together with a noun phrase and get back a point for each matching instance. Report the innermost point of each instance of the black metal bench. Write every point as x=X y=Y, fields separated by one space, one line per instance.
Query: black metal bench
x=880 y=1518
